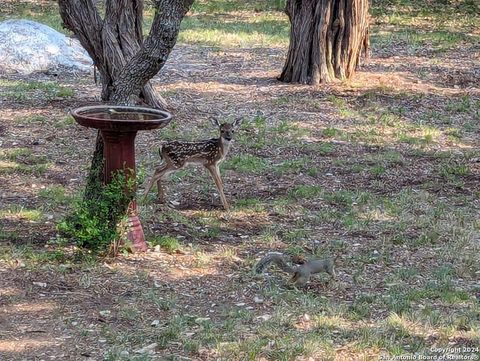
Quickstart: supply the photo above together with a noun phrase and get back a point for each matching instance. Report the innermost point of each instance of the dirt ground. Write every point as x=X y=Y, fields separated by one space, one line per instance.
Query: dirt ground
x=314 y=170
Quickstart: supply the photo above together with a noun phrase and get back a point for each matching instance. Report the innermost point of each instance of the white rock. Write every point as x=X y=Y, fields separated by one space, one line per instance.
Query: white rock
x=264 y=317
x=147 y=349
x=27 y=46
x=202 y=319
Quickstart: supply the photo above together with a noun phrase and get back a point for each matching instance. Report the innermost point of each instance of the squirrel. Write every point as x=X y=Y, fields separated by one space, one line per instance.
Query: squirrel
x=301 y=273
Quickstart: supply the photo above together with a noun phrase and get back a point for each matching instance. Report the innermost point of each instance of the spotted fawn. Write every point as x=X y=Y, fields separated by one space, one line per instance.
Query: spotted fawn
x=209 y=153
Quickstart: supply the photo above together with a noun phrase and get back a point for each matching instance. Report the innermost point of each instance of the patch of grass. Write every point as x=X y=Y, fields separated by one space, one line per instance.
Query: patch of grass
x=305 y=191
x=331 y=132
x=294 y=236
x=256 y=137
x=129 y=313
x=415 y=39
x=202 y=259
x=422 y=140
x=255 y=204
x=460 y=105
x=45 y=13
x=247 y=163
x=227 y=31
x=65 y=122
x=23 y=155
x=53 y=196
x=293 y=166
x=212 y=231
x=451 y=170
x=32 y=257
x=168 y=243
x=337 y=101
x=340 y=198
x=454 y=134
x=8 y=236
x=361 y=307
x=386 y=159
x=32 y=119
x=214 y=6
x=320 y=148
x=22 y=90
x=159 y=299
x=378 y=170
x=21 y=213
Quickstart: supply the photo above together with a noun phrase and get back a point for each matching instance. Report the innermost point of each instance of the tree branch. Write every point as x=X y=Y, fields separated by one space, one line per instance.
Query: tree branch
x=82 y=18
x=152 y=56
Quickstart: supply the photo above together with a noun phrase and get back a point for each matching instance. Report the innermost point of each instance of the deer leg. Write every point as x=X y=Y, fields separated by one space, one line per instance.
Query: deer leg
x=160 y=172
x=215 y=173
x=160 y=191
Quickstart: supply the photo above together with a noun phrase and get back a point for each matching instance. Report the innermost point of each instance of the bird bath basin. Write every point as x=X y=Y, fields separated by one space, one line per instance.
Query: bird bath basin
x=119 y=126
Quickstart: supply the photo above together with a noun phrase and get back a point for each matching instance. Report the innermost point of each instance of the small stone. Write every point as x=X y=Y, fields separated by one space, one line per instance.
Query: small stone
x=147 y=349
x=202 y=319
x=104 y=313
x=155 y=323
x=264 y=317
x=40 y=284
x=258 y=300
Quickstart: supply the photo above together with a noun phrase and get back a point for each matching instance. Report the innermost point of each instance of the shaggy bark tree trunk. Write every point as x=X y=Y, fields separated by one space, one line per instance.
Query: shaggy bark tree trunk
x=326 y=40
x=124 y=60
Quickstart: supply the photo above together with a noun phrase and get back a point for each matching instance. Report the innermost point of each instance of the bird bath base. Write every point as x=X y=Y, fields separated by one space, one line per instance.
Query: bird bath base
x=119 y=126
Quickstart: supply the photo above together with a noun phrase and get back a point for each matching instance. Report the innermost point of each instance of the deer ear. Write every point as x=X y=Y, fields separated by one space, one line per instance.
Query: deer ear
x=237 y=123
x=214 y=121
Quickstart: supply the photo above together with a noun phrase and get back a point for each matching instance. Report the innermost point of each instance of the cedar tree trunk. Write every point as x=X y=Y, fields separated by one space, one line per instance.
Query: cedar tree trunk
x=327 y=38
x=126 y=62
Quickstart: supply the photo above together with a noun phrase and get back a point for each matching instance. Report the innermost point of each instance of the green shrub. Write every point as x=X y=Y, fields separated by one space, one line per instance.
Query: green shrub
x=94 y=222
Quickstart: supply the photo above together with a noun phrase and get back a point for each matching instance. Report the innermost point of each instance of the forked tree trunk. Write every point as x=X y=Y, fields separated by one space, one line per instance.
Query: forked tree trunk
x=124 y=60
x=327 y=38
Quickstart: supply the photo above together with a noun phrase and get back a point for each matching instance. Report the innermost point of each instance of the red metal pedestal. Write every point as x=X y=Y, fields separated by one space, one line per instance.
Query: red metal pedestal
x=119 y=154
x=119 y=126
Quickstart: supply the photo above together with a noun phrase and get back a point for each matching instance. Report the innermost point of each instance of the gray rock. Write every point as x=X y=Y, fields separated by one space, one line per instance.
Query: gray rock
x=27 y=46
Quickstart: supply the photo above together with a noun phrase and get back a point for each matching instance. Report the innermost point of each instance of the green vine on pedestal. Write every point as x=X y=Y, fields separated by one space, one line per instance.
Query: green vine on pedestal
x=94 y=220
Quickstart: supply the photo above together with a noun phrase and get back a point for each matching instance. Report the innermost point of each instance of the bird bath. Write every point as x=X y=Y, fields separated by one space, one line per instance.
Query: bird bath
x=119 y=126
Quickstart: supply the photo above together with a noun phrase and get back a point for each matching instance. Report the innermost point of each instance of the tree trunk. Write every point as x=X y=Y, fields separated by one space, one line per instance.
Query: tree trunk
x=326 y=40
x=125 y=62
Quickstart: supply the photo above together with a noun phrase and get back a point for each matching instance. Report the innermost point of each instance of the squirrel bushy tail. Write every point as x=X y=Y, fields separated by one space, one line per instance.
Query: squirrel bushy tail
x=278 y=258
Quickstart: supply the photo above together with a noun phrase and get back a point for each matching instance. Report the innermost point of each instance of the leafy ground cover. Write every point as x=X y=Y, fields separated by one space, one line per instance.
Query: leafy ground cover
x=381 y=172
